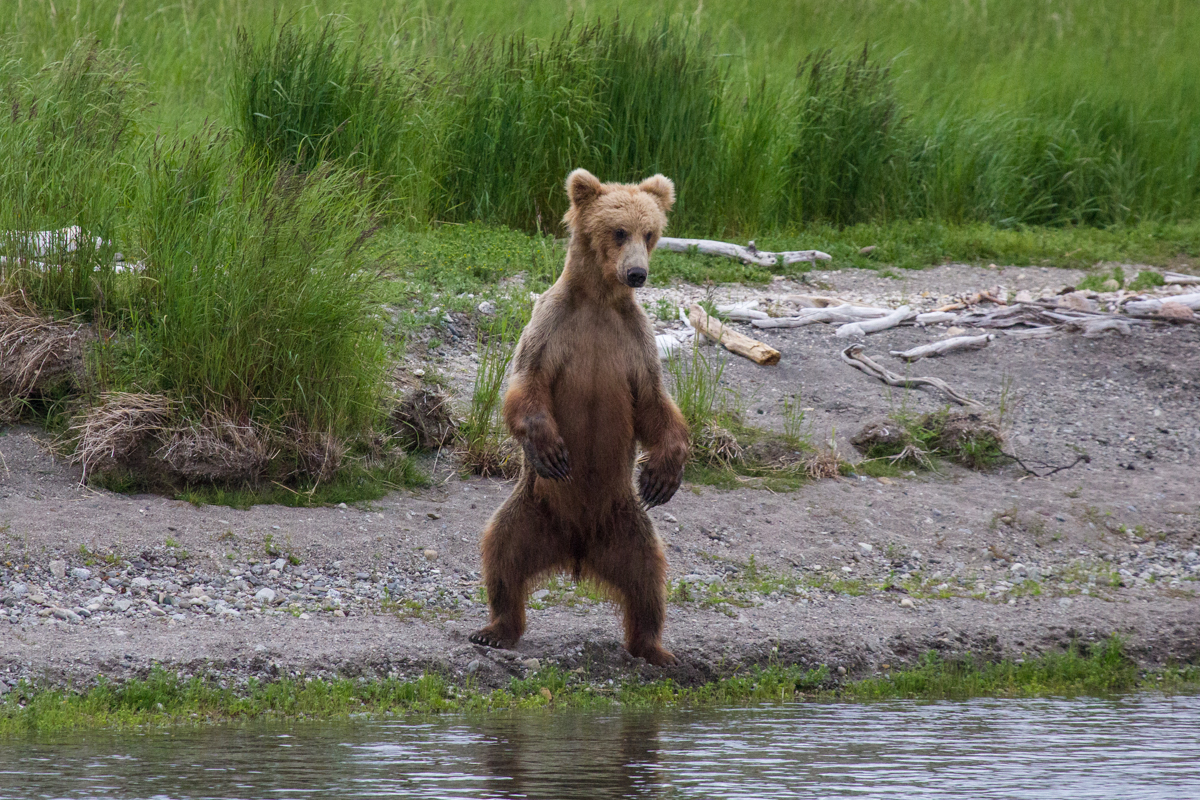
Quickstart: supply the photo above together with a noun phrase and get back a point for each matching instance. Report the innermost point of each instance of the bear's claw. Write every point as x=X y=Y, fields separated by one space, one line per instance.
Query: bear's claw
x=656 y=488
x=489 y=638
x=551 y=463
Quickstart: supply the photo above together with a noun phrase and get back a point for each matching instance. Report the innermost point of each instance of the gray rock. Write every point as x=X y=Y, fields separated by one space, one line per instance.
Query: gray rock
x=20 y=590
x=531 y=664
x=541 y=594
x=264 y=595
x=81 y=573
x=141 y=582
x=66 y=614
x=474 y=666
x=122 y=605
x=58 y=568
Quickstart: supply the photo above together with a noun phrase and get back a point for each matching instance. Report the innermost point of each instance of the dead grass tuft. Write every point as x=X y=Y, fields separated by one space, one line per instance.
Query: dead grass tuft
x=215 y=449
x=119 y=433
x=37 y=355
x=825 y=463
x=422 y=421
x=717 y=446
x=491 y=458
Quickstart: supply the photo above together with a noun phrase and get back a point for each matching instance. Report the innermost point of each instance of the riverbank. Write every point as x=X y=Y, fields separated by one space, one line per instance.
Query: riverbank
x=165 y=698
x=849 y=573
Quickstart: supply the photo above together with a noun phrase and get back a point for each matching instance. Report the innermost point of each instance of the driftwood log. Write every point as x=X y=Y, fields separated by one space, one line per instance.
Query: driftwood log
x=951 y=345
x=1152 y=308
x=901 y=314
x=1179 y=279
x=854 y=356
x=731 y=340
x=748 y=254
x=834 y=314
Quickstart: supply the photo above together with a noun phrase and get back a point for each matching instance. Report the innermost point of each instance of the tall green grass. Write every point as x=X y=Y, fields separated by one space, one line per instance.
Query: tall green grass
x=256 y=300
x=65 y=160
x=496 y=125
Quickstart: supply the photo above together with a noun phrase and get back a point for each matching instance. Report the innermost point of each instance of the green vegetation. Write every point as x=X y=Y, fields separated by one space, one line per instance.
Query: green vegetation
x=162 y=698
x=279 y=171
x=972 y=439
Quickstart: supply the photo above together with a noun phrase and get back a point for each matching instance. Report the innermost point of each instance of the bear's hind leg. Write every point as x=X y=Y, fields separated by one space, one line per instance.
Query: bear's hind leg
x=518 y=546
x=630 y=561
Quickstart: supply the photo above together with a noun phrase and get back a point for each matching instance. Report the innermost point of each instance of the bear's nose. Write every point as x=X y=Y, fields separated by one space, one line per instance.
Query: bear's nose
x=636 y=277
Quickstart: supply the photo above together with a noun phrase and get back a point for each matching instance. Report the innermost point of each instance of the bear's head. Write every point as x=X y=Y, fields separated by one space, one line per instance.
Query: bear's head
x=619 y=222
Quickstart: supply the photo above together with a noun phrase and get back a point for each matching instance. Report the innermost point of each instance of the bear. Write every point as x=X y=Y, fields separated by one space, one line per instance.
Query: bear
x=585 y=389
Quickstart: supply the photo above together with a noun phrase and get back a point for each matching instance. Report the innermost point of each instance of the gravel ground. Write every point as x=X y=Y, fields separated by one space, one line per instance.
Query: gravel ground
x=856 y=573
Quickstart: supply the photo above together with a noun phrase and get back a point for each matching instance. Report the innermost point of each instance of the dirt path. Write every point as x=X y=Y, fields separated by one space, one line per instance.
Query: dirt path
x=92 y=582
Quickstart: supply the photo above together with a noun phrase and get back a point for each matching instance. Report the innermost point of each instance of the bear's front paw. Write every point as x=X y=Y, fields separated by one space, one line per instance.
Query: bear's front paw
x=550 y=459
x=658 y=485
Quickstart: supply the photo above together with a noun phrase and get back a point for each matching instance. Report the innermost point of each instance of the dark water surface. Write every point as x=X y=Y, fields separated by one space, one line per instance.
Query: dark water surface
x=1138 y=747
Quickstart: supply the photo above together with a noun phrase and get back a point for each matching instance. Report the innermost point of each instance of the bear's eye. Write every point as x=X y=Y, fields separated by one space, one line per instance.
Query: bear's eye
x=620 y=234
x=649 y=236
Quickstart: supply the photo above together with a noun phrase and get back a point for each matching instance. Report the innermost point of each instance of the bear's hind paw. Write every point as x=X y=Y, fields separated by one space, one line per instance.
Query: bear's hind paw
x=489 y=638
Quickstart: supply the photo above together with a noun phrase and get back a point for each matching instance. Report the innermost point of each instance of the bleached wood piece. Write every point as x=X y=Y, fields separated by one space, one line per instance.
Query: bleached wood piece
x=935 y=317
x=901 y=314
x=812 y=300
x=945 y=346
x=854 y=356
x=1148 y=308
x=742 y=312
x=1179 y=279
x=749 y=255
x=731 y=340
x=834 y=314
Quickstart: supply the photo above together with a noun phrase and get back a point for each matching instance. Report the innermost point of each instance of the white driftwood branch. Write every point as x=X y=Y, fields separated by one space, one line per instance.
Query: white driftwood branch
x=935 y=317
x=44 y=243
x=834 y=314
x=742 y=312
x=945 y=346
x=731 y=340
x=854 y=356
x=1179 y=279
x=901 y=314
x=813 y=300
x=1149 y=308
x=749 y=255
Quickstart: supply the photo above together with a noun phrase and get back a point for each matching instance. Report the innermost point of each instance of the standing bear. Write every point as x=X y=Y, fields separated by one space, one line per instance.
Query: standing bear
x=585 y=390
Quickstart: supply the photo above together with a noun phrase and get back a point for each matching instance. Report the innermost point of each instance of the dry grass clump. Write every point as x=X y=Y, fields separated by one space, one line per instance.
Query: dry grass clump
x=37 y=355
x=146 y=436
x=119 y=433
x=823 y=464
x=968 y=437
x=491 y=458
x=422 y=420
x=717 y=446
x=215 y=449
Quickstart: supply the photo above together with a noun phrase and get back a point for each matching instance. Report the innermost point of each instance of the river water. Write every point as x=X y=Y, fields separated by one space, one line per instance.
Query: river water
x=1143 y=746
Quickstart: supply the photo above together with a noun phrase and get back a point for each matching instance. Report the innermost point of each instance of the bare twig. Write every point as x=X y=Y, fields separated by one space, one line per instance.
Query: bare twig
x=1082 y=457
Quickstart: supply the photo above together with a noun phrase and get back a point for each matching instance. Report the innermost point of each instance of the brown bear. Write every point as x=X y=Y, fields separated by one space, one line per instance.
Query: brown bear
x=585 y=390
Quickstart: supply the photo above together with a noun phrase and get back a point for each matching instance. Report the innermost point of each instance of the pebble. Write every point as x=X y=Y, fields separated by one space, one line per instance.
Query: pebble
x=431 y=554
x=58 y=568
x=532 y=664
x=541 y=594
x=140 y=582
x=122 y=605
x=265 y=595
x=474 y=666
x=907 y=603
x=865 y=548
x=81 y=573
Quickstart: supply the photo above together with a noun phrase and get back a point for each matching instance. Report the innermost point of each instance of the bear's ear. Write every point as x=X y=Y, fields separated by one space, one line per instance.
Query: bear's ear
x=662 y=189
x=583 y=187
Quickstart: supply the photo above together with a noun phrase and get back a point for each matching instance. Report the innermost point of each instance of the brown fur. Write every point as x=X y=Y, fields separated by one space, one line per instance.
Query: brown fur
x=585 y=390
